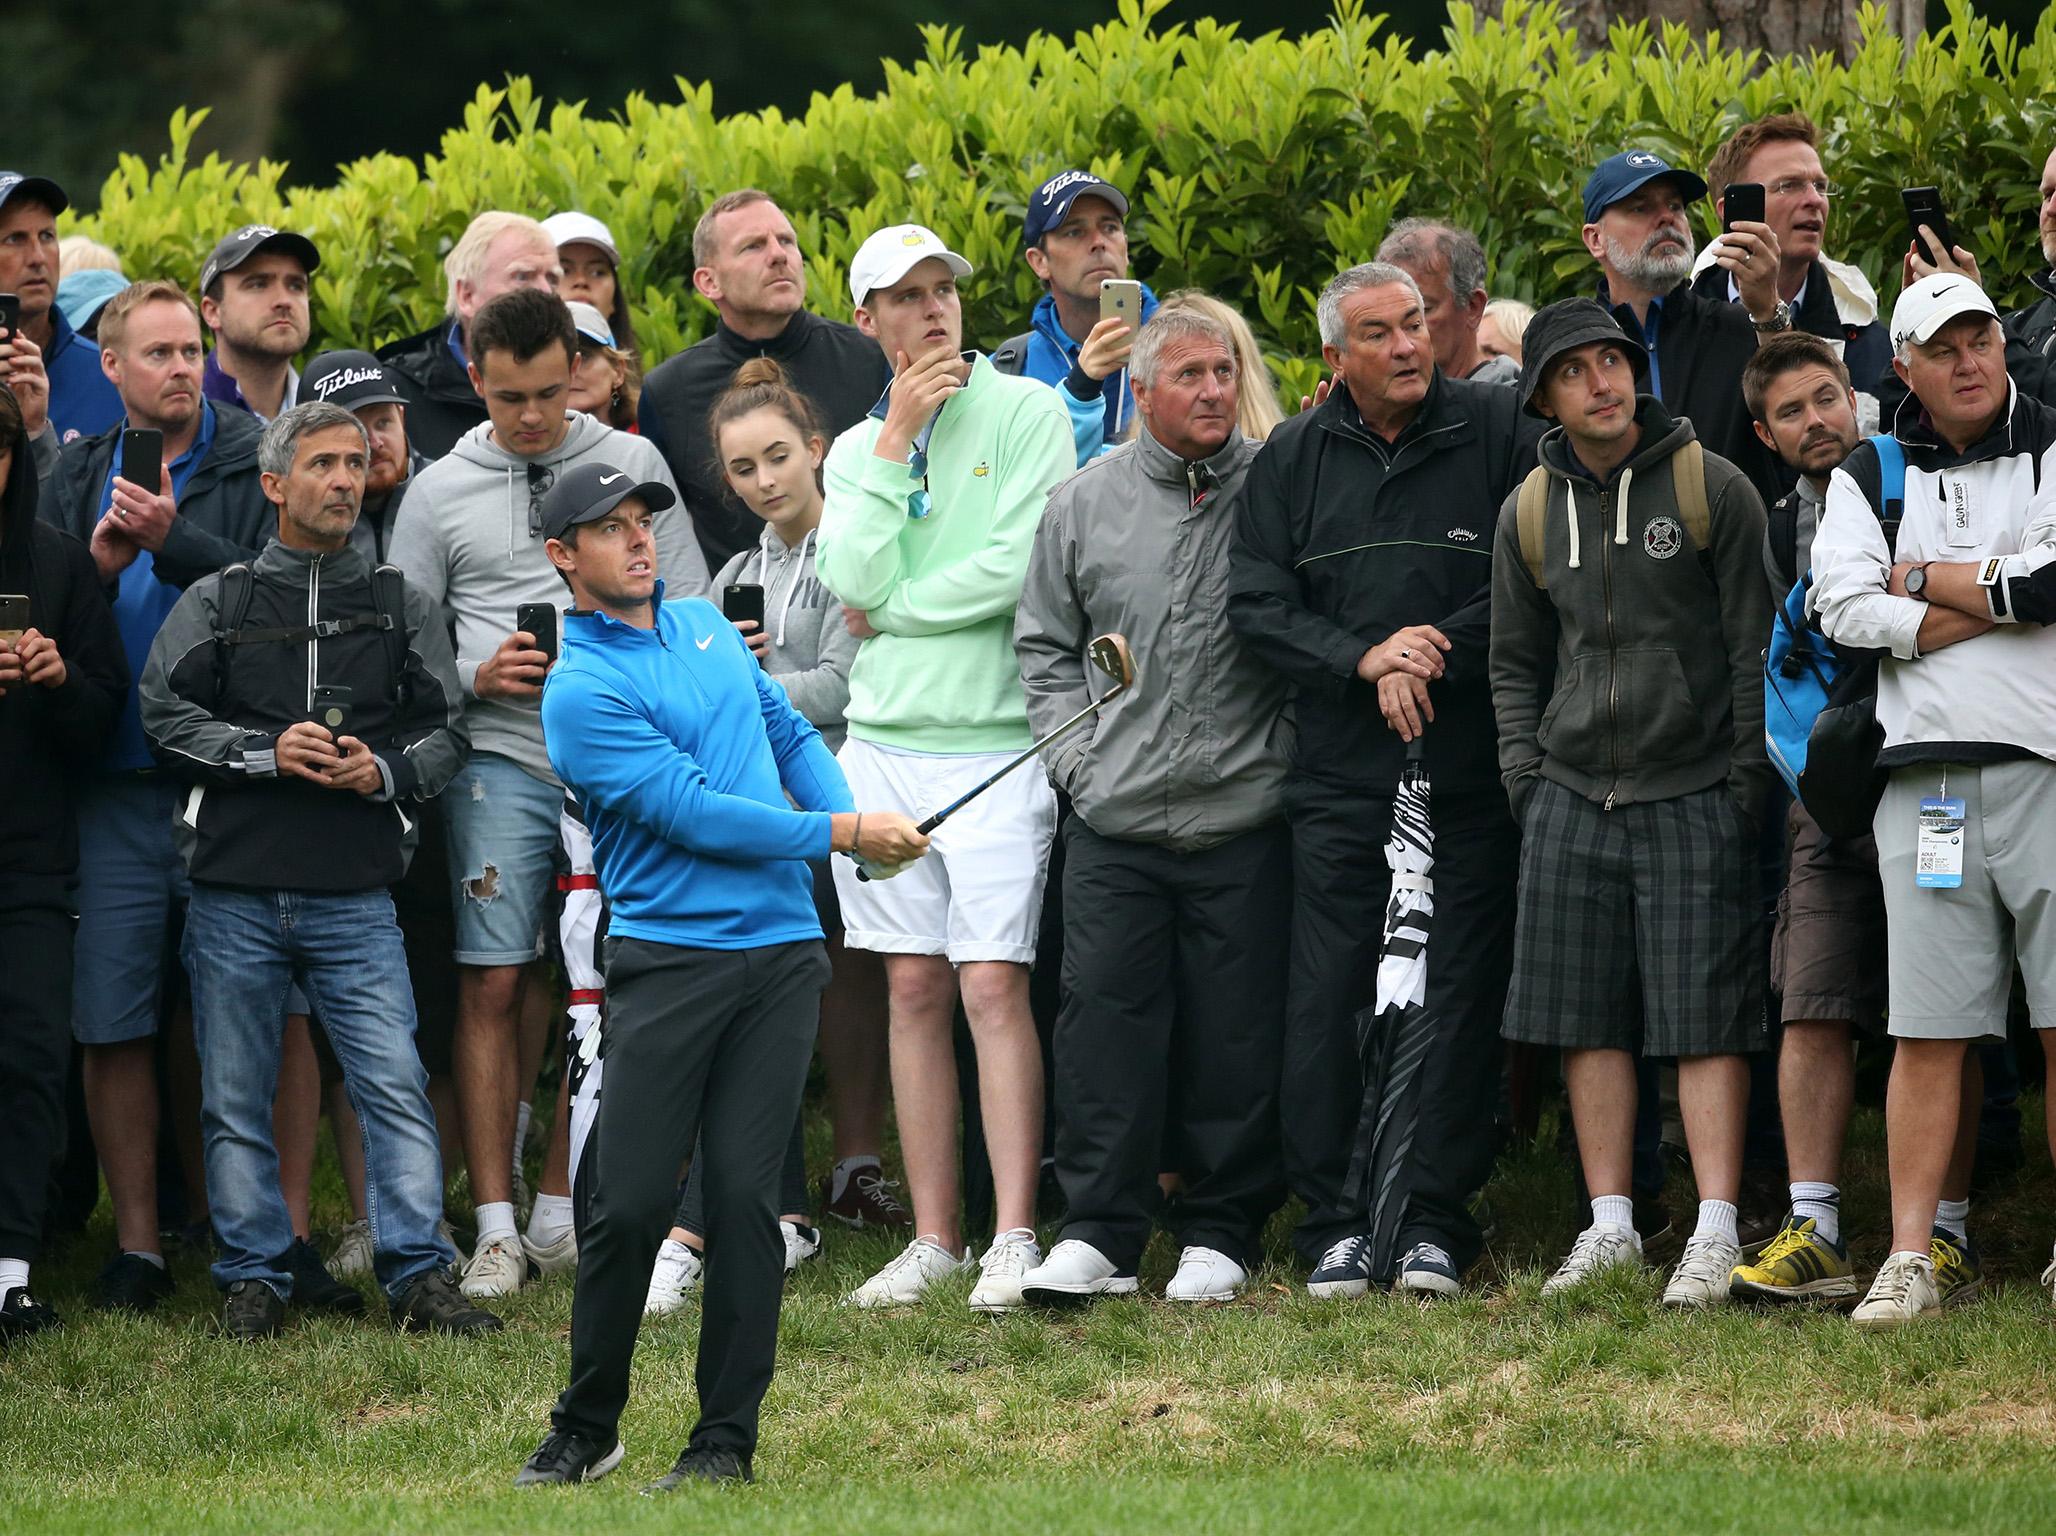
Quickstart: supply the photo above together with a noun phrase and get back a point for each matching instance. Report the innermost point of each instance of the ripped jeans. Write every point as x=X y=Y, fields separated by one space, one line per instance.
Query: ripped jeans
x=505 y=852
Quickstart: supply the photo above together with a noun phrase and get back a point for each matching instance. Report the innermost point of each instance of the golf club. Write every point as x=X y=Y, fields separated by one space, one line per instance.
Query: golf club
x=1110 y=654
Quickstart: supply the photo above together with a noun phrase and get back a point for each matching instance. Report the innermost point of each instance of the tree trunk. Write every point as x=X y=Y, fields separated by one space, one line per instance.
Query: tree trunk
x=1775 y=26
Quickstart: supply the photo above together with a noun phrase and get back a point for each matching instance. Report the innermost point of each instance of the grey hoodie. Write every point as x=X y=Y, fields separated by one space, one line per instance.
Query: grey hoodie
x=811 y=650
x=463 y=539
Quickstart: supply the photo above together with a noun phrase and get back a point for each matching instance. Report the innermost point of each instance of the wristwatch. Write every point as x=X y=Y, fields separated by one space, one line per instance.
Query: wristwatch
x=1916 y=581
x=1779 y=319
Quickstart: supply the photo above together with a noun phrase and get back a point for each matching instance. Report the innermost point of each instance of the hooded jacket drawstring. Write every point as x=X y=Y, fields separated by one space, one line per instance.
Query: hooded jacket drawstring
x=792 y=587
x=1570 y=508
x=513 y=513
x=1620 y=507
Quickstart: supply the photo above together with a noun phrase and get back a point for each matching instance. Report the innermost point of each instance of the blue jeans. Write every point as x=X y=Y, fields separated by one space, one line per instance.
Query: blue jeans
x=243 y=950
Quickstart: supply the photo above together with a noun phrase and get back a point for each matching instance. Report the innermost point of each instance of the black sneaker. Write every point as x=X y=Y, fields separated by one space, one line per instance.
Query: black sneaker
x=314 y=1288
x=433 y=1304
x=703 y=1464
x=253 y=1311
x=567 y=1457
x=21 y=1315
x=131 y=1283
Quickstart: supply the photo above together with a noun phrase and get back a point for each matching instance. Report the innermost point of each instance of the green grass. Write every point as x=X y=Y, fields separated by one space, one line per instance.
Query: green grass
x=1273 y=1413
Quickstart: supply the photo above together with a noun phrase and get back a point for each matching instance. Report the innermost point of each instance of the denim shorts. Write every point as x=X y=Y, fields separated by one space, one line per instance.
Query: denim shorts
x=132 y=900
x=505 y=852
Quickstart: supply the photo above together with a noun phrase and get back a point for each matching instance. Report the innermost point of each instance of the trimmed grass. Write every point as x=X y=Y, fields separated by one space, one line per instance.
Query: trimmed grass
x=1274 y=1412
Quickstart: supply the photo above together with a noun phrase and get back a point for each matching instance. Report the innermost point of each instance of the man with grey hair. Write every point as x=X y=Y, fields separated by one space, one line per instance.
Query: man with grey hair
x=1361 y=571
x=1177 y=863
x=307 y=700
x=1448 y=266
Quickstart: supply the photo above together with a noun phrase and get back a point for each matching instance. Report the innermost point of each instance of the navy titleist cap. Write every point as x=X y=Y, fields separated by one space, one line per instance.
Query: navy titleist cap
x=45 y=191
x=1051 y=202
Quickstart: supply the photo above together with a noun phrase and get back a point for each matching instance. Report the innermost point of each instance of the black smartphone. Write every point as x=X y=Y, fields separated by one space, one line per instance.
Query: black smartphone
x=332 y=707
x=1924 y=206
x=10 y=315
x=142 y=458
x=14 y=617
x=743 y=600
x=540 y=620
x=1741 y=202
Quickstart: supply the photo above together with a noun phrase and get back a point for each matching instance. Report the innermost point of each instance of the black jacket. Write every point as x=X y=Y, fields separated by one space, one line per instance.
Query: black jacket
x=215 y=719
x=222 y=514
x=1342 y=538
x=1702 y=346
x=372 y=534
x=50 y=737
x=1866 y=349
x=441 y=404
x=836 y=366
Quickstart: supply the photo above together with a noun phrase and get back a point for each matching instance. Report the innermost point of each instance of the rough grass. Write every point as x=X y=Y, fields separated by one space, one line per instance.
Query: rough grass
x=1271 y=1413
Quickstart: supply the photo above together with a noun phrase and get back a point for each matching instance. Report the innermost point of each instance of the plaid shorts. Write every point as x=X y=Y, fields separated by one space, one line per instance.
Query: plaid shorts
x=1639 y=928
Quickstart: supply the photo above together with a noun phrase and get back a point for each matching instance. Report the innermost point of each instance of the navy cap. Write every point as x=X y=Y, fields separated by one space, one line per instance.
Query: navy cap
x=1052 y=201
x=246 y=242
x=592 y=491
x=1562 y=327
x=349 y=379
x=45 y=191
x=1629 y=169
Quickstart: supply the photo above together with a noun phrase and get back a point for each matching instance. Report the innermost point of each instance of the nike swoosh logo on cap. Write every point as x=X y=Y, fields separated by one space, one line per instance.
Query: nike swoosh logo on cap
x=619 y=474
x=705 y=641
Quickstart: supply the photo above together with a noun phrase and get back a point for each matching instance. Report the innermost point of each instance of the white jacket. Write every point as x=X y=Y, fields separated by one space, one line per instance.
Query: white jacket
x=1996 y=503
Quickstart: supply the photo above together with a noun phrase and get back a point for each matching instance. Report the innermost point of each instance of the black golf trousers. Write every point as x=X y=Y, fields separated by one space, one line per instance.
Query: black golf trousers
x=696 y=1042
x=35 y=1050
x=1340 y=886
x=1167 y=1041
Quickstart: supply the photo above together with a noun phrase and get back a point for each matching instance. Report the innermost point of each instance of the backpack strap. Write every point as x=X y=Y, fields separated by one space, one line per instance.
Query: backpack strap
x=1528 y=512
x=232 y=606
x=1891 y=486
x=1011 y=355
x=389 y=597
x=1688 y=484
x=1783 y=522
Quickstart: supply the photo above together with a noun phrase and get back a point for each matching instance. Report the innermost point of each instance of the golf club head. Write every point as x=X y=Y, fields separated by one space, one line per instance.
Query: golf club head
x=1111 y=655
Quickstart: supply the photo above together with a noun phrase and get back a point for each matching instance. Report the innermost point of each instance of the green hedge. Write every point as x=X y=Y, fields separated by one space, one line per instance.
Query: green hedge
x=1256 y=166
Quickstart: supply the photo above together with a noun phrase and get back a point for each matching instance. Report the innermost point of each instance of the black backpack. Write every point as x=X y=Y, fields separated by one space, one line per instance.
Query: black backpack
x=389 y=602
x=1011 y=355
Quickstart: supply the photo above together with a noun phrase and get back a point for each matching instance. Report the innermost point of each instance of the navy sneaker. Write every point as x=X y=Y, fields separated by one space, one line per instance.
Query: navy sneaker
x=1344 y=1270
x=568 y=1457
x=131 y=1283
x=703 y=1464
x=1426 y=1273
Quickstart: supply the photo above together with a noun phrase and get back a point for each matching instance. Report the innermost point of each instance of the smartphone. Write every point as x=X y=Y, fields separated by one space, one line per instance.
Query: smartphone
x=332 y=707
x=1924 y=206
x=1741 y=202
x=14 y=617
x=10 y=315
x=142 y=458
x=540 y=620
x=1120 y=298
x=743 y=600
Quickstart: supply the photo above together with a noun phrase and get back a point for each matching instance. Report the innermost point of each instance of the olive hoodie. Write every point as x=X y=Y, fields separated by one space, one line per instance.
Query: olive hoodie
x=1634 y=672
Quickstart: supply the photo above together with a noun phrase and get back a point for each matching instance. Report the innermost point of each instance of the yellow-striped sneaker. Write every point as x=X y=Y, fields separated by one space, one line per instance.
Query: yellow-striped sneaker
x=1798 y=1264
x=1959 y=1277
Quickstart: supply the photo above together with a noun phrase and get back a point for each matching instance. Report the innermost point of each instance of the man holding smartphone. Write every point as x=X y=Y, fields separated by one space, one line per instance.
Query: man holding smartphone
x=45 y=356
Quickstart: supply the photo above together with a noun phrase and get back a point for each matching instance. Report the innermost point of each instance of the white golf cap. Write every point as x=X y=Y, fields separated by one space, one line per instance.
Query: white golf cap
x=1931 y=303
x=895 y=251
x=565 y=228
x=590 y=323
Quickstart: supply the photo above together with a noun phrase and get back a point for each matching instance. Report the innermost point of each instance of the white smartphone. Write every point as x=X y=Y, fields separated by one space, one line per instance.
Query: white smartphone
x=1120 y=298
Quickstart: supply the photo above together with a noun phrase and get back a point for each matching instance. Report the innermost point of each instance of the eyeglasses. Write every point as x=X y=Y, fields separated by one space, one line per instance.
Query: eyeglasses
x=918 y=503
x=540 y=478
x=1792 y=186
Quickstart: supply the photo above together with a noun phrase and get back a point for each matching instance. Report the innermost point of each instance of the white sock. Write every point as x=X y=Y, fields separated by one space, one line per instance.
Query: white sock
x=1614 y=1211
x=1822 y=1205
x=1716 y=1219
x=1953 y=1217
x=523 y=1114
x=496 y=1219
x=549 y=1220
x=144 y=1253
x=14 y=1275
x=846 y=1170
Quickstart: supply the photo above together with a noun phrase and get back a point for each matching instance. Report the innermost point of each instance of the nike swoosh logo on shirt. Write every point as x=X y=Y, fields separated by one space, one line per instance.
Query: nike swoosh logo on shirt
x=705 y=642
x=619 y=474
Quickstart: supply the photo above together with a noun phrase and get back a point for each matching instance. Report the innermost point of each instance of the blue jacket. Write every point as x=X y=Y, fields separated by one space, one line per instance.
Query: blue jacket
x=1052 y=352
x=682 y=752
x=82 y=400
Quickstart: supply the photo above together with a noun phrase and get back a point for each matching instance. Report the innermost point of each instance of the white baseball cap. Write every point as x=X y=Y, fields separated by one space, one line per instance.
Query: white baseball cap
x=1931 y=303
x=590 y=323
x=565 y=228
x=892 y=253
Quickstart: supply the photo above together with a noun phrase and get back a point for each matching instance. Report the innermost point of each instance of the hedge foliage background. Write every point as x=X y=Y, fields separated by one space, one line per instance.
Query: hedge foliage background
x=1256 y=166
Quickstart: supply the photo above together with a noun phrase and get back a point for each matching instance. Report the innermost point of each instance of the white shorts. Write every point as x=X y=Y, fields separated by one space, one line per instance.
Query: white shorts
x=978 y=893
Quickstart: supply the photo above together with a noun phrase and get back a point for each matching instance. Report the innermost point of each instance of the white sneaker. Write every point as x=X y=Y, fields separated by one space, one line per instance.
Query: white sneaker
x=1206 y=1274
x=353 y=1251
x=1904 y=1290
x=1704 y=1273
x=558 y=1258
x=498 y=1268
x=2048 y=1279
x=676 y=1272
x=1597 y=1250
x=1006 y=1263
x=901 y=1283
x=1075 y=1271
x=801 y=1244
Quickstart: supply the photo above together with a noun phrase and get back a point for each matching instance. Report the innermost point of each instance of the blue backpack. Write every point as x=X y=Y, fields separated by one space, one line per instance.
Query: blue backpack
x=1803 y=671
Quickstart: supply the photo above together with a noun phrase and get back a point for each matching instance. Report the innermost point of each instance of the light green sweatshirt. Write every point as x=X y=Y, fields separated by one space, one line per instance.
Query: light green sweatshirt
x=940 y=676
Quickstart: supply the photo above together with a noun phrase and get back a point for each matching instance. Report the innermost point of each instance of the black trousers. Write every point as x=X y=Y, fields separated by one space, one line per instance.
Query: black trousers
x=35 y=1049
x=1340 y=885
x=1167 y=1043
x=697 y=1043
